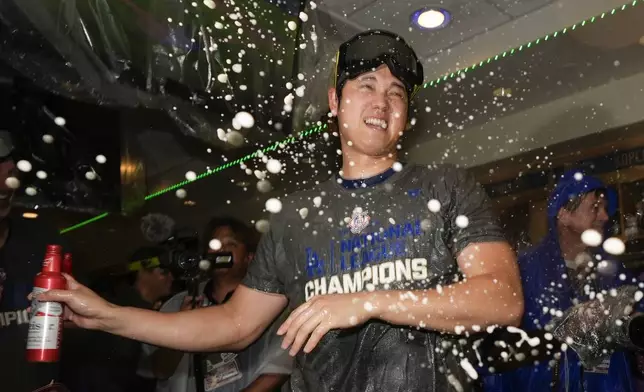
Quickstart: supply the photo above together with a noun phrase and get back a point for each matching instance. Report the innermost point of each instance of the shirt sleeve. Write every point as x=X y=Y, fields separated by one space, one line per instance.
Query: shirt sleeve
x=276 y=359
x=263 y=272
x=470 y=215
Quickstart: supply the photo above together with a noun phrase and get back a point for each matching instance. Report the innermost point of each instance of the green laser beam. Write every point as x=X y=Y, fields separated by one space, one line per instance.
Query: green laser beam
x=318 y=128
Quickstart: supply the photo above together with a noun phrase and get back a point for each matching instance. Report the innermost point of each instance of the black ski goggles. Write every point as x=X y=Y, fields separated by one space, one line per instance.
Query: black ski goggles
x=367 y=51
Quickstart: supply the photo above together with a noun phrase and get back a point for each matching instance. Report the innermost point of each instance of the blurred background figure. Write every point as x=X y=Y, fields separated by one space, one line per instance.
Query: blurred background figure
x=567 y=268
x=263 y=366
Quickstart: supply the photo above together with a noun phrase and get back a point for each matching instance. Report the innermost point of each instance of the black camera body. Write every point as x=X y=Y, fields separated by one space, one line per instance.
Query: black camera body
x=185 y=259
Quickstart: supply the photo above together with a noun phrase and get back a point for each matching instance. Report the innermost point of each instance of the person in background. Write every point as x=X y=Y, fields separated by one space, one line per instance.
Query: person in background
x=155 y=283
x=22 y=249
x=262 y=367
x=556 y=275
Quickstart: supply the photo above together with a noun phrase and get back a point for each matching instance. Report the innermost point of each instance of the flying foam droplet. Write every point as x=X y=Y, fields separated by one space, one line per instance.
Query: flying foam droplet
x=303 y=17
x=222 y=78
x=60 y=121
x=31 y=191
x=273 y=205
x=245 y=119
x=181 y=193
x=425 y=225
x=397 y=166
x=235 y=138
x=292 y=25
x=262 y=226
x=469 y=369
x=434 y=206
x=304 y=212
x=47 y=139
x=237 y=68
x=317 y=201
x=614 y=246
x=274 y=166
x=24 y=166
x=214 y=244
x=90 y=175
x=638 y=296
x=191 y=176
x=591 y=237
x=462 y=221
x=41 y=174
x=204 y=265
x=264 y=186
x=12 y=182
x=210 y=4
x=101 y=159
x=578 y=176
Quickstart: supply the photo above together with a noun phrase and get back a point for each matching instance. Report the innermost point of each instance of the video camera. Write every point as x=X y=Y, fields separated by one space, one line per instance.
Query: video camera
x=185 y=260
x=178 y=251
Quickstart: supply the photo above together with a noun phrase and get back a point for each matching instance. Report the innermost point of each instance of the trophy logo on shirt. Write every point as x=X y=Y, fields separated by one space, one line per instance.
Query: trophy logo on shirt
x=359 y=221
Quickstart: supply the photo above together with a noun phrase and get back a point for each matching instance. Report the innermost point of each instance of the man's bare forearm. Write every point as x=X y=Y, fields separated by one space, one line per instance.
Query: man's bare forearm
x=190 y=331
x=478 y=302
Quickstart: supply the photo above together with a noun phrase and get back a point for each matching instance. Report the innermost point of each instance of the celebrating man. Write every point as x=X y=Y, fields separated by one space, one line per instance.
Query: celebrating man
x=378 y=283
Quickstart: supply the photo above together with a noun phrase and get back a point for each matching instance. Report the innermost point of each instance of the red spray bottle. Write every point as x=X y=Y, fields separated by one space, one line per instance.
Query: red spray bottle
x=46 y=323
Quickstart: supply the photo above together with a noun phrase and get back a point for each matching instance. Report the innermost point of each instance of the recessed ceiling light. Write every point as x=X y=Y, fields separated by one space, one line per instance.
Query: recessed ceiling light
x=190 y=203
x=30 y=215
x=431 y=18
x=243 y=184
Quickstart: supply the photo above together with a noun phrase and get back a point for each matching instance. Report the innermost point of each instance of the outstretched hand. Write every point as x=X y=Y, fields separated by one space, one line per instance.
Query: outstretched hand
x=83 y=307
x=313 y=319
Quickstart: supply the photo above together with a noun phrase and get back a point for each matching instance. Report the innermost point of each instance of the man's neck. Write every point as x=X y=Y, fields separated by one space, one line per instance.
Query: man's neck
x=571 y=244
x=358 y=166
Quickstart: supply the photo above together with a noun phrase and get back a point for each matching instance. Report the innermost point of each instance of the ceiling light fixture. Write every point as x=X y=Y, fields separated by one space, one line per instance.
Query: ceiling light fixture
x=30 y=215
x=431 y=18
x=318 y=128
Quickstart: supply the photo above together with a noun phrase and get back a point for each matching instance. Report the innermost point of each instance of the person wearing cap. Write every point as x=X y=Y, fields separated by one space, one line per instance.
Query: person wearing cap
x=560 y=272
x=380 y=285
x=22 y=247
x=154 y=282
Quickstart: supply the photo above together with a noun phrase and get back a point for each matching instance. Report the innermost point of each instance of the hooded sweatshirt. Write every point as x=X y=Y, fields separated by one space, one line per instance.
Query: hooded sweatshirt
x=548 y=287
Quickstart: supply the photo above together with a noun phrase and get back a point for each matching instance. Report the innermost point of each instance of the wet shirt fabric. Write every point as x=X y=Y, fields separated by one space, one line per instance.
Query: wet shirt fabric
x=331 y=239
x=20 y=260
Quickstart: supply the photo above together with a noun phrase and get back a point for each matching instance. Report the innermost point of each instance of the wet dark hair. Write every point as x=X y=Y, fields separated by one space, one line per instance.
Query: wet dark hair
x=575 y=201
x=244 y=233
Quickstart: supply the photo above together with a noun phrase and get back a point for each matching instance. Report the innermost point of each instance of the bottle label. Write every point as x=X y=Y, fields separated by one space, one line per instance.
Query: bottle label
x=39 y=308
x=45 y=324
x=43 y=333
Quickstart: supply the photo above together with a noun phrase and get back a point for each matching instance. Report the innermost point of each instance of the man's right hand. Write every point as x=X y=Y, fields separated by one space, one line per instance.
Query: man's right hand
x=84 y=307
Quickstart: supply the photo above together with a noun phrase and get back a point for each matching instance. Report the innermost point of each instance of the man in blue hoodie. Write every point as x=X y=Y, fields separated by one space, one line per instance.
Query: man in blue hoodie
x=560 y=272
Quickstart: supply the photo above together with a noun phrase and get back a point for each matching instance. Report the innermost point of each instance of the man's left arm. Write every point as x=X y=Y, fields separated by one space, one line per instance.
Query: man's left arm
x=489 y=294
